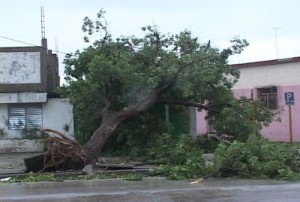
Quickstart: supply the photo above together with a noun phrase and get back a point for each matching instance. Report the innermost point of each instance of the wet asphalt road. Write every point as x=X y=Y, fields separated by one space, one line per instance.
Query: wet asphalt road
x=152 y=189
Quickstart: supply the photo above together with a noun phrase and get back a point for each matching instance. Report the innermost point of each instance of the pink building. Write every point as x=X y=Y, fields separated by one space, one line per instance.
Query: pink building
x=269 y=80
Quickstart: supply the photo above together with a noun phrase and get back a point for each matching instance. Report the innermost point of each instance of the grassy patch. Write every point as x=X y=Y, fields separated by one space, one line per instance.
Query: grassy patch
x=57 y=178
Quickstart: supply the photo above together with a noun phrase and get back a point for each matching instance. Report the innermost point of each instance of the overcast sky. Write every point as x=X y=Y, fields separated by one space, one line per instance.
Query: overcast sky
x=215 y=20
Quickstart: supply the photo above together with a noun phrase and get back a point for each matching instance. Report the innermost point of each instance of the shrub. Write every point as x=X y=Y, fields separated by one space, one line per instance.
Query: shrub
x=208 y=143
x=179 y=158
x=259 y=158
x=240 y=118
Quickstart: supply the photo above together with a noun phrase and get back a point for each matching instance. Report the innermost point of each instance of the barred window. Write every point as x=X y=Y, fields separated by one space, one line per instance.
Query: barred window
x=24 y=116
x=268 y=96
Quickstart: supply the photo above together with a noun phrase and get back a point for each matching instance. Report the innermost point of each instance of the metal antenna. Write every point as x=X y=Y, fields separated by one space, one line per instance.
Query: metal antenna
x=56 y=44
x=276 y=45
x=42 y=22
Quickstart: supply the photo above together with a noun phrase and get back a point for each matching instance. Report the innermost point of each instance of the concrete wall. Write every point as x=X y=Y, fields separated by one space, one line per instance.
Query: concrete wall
x=28 y=69
x=53 y=80
x=21 y=145
x=20 y=67
x=26 y=97
x=21 y=62
x=193 y=121
x=4 y=125
x=56 y=114
x=3 y=116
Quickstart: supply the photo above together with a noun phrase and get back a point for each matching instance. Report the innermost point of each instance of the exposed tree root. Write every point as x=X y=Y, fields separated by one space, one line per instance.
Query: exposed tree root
x=62 y=153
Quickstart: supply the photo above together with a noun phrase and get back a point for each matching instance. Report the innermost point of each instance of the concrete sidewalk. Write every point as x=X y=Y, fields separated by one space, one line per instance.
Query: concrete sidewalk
x=13 y=162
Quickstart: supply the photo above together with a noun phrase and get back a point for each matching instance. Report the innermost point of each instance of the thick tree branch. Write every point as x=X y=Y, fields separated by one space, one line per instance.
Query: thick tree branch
x=146 y=103
x=184 y=103
x=208 y=107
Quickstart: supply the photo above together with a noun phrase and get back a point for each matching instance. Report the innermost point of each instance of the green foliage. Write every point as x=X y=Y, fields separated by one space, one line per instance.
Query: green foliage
x=179 y=158
x=35 y=178
x=207 y=144
x=259 y=158
x=128 y=177
x=240 y=118
x=133 y=136
x=66 y=128
x=59 y=178
x=119 y=73
x=33 y=133
x=2 y=133
x=179 y=119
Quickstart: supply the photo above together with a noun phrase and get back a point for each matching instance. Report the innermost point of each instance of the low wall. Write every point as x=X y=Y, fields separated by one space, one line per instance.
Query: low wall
x=21 y=145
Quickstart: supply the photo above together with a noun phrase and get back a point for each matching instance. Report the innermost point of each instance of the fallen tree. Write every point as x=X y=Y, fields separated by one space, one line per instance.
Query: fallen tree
x=113 y=80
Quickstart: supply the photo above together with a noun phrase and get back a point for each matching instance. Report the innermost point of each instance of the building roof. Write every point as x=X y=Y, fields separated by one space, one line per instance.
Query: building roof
x=267 y=62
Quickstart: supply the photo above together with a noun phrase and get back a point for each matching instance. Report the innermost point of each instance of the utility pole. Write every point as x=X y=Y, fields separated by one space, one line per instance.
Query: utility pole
x=276 y=45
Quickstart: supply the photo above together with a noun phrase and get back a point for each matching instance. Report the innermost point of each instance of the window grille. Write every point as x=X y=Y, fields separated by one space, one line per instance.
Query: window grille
x=25 y=116
x=268 y=96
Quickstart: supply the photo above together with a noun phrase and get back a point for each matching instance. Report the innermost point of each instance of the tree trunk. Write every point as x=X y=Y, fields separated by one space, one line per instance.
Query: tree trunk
x=94 y=146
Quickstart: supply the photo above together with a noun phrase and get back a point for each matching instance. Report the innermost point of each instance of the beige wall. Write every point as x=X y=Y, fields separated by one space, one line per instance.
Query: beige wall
x=286 y=74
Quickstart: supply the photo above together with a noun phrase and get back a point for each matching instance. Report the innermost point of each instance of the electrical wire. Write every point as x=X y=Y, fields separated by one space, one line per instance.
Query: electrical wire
x=23 y=42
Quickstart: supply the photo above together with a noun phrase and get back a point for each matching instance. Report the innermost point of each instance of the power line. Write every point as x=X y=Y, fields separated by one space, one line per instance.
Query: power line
x=23 y=42
x=15 y=40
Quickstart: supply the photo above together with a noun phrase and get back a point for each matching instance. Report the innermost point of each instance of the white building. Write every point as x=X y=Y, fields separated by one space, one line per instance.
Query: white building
x=28 y=79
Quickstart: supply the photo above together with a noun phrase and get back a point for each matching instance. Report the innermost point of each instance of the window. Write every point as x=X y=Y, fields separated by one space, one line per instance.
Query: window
x=268 y=96
x=24 y=116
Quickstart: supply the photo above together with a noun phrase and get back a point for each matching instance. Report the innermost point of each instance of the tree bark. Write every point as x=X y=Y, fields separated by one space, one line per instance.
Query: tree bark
x=96 y=143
